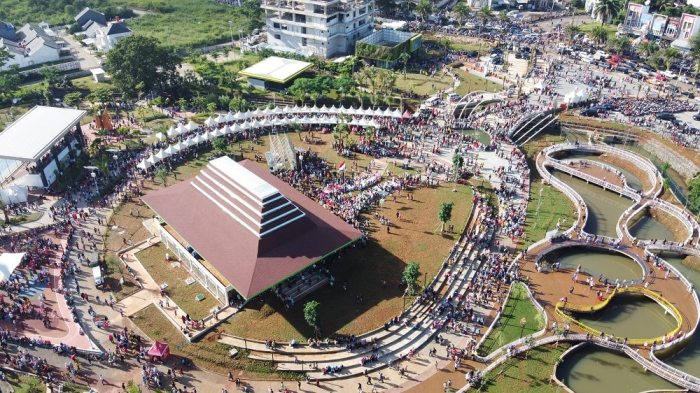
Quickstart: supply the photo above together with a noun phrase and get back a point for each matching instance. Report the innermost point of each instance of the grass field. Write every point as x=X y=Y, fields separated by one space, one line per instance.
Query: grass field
x=10 y=114
x=422 y=85
x=518 y=319
x=89 y=84
x=588 y=27
x=470 y=82
x=205 y=354
x=187 y=23
x=153 y=259
x=531 y=375
x=547 y=207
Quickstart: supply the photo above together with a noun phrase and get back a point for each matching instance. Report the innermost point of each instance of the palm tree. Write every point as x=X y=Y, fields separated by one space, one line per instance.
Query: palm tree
x=604 y=10
x=424 y=8
x=571 y=31
x=599 y=34
x=648 y=48
x=461 y=10
x=403 y=58
x=620 y=45
x=670 y=56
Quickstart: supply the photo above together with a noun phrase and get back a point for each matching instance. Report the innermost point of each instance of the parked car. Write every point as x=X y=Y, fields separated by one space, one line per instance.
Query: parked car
x=667 y=116
x=590 y=112
x=696 y=116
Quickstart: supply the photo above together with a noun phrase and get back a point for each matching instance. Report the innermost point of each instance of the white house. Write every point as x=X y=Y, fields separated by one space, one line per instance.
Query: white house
x=31 y=45
x=108 y=36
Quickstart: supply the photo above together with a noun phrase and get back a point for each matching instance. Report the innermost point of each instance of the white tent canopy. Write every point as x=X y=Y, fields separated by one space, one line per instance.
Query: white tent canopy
x=8 y=264
x=14 y=194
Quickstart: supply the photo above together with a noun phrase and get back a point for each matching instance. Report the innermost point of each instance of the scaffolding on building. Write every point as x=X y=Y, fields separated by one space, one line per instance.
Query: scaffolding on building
x=282 y=155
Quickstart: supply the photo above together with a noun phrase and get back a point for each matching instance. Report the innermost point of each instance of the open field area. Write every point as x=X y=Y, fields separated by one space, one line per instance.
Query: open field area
x=530 y=375
x=547 y=207
x=518 y=319
x=470 y=82
x=179 y=23
x=422 y=85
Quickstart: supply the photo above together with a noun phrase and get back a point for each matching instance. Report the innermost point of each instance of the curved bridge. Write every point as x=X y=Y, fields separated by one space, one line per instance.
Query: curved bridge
x=530 y=125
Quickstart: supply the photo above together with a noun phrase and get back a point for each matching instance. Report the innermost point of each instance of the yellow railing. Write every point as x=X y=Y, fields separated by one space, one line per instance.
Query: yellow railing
x=562 y=308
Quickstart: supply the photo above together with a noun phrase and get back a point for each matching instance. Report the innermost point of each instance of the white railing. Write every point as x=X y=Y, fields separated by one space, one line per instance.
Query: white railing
x=602 y=165
x=628 y=192
x=579 y=203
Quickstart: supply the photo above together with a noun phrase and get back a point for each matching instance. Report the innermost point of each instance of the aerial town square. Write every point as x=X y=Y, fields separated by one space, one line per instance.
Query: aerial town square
x=421 y=196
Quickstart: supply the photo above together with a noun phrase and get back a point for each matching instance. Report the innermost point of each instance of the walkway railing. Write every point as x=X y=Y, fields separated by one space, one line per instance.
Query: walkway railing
x=561 y=308
x=623 y=191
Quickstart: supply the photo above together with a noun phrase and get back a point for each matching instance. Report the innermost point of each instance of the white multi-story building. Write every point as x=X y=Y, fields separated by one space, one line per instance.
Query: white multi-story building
x=317 y=27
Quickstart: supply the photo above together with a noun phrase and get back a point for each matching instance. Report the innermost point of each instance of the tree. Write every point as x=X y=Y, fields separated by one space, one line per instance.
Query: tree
x=162 y=175
x=424 y=8
x=648 y=48
x=462 y=11
x=670 y=56
x=345 y=86
x=410 y=275
x=182 y=103
x=73 y=99
x=604 y=10
x=403 y=58
x=457 y=164
x=300 y=89
x=9 y=79
x=139 y=64
x=211 y=107
x=311 y=314
x=51 y=76
x=599 y=34
x=694 y=195
x=445 y=213
x=619 y=45
x=238 y=104
x=219 y=144
x=102 y=95
x=571 y=31
x=694 y=47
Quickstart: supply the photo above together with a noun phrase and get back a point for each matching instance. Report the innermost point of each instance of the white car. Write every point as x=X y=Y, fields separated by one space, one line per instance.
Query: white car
x=644 y=72
x=669 y=74
x=683 y=79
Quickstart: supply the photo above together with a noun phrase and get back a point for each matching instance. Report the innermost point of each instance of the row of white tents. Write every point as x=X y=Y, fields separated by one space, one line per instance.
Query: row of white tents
x=577 y=96
x=303 y=111
x=245 y=126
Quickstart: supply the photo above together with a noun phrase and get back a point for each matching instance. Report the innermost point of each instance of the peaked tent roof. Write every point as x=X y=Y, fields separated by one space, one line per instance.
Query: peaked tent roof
x=252 y=227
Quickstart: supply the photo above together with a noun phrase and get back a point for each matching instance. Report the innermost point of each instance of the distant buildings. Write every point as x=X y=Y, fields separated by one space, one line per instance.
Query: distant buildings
x=31 y=45
x=99 y=32
x=385 y=47
x=324 y=28
x=679 y=31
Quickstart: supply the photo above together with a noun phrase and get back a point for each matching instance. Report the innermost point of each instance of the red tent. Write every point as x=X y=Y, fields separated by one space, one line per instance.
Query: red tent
x=160 y=350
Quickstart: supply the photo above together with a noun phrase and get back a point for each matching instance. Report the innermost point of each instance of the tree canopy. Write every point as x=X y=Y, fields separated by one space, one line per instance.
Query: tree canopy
x=311 y=314
x=445 y=213
x=410 y=275
x=9 y=79
x=140 y=64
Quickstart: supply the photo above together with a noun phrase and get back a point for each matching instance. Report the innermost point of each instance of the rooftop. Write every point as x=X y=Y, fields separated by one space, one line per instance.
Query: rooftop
x=33 y=134
x=276 y=69
x=253 y=228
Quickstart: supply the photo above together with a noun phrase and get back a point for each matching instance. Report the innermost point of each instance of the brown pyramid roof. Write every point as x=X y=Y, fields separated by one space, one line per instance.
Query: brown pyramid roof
x=254 y=228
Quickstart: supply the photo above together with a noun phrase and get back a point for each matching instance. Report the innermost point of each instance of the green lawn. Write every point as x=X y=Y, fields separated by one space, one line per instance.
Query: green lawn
x=470 y=82
x=10 y=114
x=588 y=27
x=518 y=319
x=531 y=375
x=88 y=83
x=187 y=23
x=547 y=207
x=24 y=383
x=153 y=259
x=422 y=85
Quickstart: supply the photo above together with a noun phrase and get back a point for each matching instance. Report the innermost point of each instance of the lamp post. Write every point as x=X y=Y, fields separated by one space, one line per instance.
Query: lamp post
x=94 y=178
x=240 y=37
x=230 y=31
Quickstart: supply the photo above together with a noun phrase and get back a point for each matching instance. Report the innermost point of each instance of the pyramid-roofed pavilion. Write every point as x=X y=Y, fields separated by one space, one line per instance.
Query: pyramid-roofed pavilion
x=251 y=227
